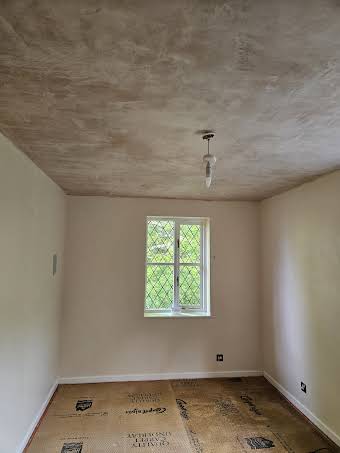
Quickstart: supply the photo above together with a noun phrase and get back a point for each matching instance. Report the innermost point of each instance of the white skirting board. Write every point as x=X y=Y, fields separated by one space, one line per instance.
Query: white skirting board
x=313 y=418
x=37 y=418
x=157 y=376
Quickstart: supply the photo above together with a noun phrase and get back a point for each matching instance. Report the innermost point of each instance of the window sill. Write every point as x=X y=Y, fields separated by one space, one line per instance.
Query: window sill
x=197 y=314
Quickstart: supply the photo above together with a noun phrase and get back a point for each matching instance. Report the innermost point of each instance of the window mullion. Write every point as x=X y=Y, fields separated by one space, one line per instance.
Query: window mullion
x=202 y=267
x=176 y=306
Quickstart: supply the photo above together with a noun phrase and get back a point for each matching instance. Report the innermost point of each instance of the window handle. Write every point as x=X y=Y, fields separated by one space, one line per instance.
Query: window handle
x=177 y=243
x=177 y=280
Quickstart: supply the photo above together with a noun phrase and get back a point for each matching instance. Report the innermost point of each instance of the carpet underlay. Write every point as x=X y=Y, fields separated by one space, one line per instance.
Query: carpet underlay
x=191 y=415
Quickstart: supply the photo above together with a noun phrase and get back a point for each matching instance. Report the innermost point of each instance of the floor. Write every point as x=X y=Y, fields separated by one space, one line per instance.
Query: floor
x=191 y=415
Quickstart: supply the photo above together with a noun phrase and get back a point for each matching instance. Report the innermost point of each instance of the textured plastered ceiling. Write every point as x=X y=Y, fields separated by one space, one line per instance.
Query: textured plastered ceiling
x=106 y=96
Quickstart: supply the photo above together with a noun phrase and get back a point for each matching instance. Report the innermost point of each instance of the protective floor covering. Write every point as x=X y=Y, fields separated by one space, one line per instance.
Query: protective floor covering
x=191 y=415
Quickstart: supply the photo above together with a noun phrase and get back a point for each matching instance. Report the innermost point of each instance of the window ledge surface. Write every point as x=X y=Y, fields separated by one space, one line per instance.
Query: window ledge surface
x=197 y=314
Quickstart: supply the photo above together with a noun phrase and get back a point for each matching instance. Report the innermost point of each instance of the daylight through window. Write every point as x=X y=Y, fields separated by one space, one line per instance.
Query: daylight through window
x=177 y=266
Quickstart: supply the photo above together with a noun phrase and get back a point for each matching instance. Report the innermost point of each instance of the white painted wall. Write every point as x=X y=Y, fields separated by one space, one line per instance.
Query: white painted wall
x=103 y=328
x=301 y=295
x=31 y=230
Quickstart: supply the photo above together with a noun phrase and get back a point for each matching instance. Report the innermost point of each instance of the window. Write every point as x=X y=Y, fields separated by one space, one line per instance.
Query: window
x=177 y=267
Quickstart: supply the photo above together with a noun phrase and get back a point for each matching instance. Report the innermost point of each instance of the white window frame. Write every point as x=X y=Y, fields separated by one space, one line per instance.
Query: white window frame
x=177 y=310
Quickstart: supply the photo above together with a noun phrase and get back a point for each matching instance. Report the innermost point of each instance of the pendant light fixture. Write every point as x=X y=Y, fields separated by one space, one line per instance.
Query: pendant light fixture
x=209 y=160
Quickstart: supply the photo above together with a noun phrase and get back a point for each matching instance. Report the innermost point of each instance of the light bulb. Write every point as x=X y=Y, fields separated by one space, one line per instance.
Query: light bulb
x=208 y=159
x=208 y=174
